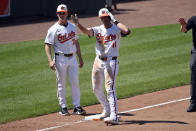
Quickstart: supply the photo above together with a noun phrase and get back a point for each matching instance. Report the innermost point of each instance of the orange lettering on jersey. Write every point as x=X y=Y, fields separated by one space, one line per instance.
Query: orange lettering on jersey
x=101 y=39
x=66 y=37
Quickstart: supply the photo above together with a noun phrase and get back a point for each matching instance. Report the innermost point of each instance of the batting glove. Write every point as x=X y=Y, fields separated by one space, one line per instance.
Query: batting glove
x=112 y=17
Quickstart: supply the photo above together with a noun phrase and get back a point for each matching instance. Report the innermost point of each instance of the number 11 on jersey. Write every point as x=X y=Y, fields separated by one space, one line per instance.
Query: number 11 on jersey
x=114 y=44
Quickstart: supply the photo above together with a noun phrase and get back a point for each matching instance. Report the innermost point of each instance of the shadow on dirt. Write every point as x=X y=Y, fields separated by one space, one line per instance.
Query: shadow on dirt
x=125 y=114
x=142 y=122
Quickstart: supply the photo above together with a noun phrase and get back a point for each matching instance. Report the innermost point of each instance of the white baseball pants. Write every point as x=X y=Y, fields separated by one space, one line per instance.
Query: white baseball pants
x=64 y=66
x=107 y=70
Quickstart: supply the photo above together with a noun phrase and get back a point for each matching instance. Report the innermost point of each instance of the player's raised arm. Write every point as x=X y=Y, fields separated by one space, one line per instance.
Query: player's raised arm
x=183 y=25
x=124 y=29
x=85 y=30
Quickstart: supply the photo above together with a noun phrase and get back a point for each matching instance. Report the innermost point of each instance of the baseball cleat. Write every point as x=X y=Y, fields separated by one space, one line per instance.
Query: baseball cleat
x=111 y=120
x=104 y=115
x=64 y=111
x=79 y=111
x=191 y=109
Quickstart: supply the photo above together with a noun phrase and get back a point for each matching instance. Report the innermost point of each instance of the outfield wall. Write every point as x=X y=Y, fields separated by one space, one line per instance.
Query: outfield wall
x=23 y=8
x=47 y=8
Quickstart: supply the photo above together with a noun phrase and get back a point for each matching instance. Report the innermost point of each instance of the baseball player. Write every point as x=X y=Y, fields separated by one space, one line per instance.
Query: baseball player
x=106 y=62
x=185 y=27
x=64 y=39
x=109 y=5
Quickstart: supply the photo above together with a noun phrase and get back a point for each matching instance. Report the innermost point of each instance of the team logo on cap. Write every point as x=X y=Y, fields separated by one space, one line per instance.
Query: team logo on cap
x=62 y=8
x=103 y=12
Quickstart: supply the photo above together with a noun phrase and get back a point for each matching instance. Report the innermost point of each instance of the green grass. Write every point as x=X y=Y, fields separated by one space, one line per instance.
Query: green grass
x=151 y=59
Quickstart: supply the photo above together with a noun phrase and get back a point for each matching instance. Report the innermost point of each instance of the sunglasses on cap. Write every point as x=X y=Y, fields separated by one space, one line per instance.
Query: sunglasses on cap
x=61 y=13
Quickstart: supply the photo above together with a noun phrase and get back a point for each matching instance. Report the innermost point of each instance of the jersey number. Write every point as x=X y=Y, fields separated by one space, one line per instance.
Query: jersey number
x=114 y=45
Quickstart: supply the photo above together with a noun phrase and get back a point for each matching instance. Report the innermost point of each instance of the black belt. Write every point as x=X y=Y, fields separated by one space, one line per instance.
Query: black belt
x=105 y=58
x=67 y=55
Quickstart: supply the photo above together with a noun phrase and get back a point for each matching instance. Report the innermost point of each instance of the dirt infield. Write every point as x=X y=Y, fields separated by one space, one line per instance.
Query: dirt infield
x=158 y=111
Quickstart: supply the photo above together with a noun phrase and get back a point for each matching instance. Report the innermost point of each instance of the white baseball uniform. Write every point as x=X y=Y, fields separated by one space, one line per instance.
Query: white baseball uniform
x=61 y=37
x=106 y=66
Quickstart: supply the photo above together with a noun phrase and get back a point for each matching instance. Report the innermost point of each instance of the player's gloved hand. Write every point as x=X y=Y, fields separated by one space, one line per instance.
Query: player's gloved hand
x=112 y=17
x=182 y=21
x=74 y=18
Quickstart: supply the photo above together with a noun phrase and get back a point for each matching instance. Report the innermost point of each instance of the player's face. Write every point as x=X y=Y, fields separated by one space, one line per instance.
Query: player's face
x=62 y=15
x=105 y=19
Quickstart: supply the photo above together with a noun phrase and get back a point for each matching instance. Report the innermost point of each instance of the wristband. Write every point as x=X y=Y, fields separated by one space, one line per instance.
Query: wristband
x=116 y=22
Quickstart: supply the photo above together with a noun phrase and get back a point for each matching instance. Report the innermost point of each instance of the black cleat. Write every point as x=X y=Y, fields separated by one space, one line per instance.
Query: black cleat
x=191 y=109
x=64 y=111
x=79 y=111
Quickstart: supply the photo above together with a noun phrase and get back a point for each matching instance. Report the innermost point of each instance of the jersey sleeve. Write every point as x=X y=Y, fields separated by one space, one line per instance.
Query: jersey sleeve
x=95 y=30
x=50 y=37
x=118 y=32
x=76 y=35
x=189 y=24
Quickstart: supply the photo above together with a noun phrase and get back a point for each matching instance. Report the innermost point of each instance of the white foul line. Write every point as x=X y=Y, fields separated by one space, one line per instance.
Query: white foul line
x=66 y=124
x=91 y=117
x=165 y=103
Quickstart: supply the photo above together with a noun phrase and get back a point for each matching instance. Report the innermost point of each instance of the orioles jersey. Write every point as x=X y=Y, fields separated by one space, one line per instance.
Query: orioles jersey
x=107 y=40
x=61 y=37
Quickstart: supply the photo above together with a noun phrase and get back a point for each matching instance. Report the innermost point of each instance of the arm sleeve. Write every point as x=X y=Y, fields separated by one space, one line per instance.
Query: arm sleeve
x=50 y=37
x=189 y=24
x=119 y=32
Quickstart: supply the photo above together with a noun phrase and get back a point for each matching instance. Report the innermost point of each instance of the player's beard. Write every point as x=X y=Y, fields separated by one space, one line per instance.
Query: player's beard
x=107 y=24
x=106 y=21
x=62 y=20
